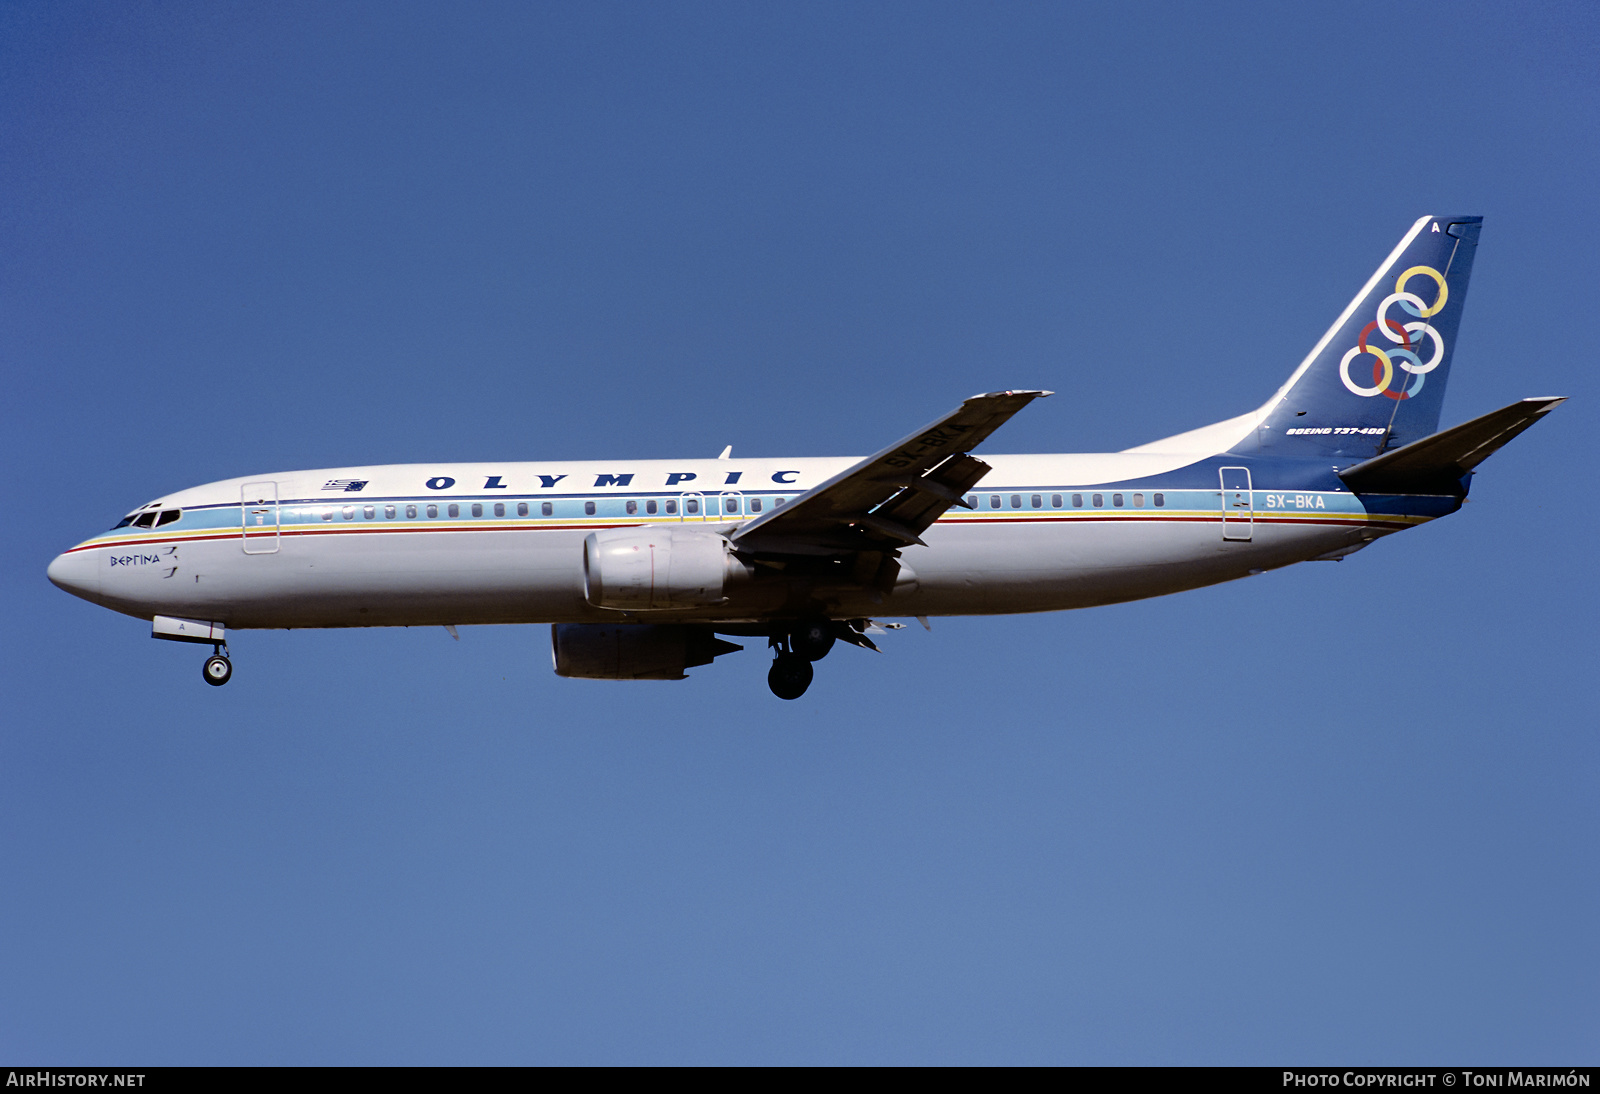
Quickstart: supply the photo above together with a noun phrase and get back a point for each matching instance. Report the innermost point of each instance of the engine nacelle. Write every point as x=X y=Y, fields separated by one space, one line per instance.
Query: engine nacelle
x=641 y=568
x=632 y=651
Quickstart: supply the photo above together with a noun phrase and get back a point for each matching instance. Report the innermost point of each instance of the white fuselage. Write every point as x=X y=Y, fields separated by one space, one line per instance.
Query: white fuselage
x=425 y=544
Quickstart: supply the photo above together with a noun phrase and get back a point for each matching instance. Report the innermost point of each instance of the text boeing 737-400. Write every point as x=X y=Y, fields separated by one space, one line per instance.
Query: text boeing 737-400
x=639 y=567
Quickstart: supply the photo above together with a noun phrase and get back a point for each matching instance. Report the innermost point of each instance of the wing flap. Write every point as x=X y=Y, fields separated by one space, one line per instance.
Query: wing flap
x=921 y=500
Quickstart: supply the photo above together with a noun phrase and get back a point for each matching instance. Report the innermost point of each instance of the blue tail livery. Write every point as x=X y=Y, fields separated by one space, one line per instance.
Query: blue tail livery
x=1376 y=380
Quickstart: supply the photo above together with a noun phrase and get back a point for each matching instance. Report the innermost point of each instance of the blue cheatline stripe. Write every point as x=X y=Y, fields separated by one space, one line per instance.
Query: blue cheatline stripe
x=554 y=524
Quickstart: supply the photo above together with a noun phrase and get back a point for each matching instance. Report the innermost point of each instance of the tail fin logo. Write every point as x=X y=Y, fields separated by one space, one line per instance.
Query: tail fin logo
x=1400 y=335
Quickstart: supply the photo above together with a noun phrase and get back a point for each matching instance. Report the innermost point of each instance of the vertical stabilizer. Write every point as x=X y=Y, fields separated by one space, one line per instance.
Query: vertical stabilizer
x=1376 y=380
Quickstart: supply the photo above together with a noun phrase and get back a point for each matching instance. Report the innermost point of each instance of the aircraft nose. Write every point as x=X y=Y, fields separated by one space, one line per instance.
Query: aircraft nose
x=78 y=573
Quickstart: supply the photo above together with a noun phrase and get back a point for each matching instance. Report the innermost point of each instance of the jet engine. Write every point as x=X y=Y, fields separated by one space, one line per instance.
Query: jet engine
x=632 y=651
x=639 y=568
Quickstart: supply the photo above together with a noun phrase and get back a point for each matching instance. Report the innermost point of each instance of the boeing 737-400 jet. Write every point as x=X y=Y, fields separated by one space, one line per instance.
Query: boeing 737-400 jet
x=639 y=566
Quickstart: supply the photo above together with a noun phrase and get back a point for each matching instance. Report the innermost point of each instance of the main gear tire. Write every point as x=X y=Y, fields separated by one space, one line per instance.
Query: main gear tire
x=812 y=640
x=789 y=676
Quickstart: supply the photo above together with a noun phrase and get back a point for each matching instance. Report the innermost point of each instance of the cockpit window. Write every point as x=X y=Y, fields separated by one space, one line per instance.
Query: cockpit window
x=168 y=516
x=145 y=520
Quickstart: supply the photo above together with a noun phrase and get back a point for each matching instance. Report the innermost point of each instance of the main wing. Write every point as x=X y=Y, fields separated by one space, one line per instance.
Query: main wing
x=887 y=501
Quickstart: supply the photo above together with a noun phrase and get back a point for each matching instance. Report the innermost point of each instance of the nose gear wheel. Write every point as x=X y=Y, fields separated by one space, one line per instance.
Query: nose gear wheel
x=217 y=670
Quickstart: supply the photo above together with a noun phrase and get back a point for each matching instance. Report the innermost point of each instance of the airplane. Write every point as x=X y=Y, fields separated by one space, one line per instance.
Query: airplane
x=640 y=566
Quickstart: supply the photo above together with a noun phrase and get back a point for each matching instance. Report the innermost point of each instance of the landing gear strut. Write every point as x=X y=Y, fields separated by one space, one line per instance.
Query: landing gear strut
x=218 y=670
x=793 y=652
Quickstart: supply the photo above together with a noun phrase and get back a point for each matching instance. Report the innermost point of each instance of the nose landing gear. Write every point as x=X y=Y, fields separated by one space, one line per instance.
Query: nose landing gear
x=218 y=670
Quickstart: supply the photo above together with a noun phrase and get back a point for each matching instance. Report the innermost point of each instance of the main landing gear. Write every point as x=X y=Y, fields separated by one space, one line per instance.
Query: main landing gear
x=793 y=652
x=789 y=675
x=218 y=670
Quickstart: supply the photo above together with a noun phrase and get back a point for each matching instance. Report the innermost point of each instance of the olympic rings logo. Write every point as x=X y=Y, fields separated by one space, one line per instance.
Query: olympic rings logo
x=1408 y=337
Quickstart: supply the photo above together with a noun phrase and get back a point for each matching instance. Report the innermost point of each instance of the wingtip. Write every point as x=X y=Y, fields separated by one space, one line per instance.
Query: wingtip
x=1030 y=393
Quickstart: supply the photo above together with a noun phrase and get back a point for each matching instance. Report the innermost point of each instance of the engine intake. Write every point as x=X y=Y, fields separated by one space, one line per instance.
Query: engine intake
x=637 y=568
x=632 y=651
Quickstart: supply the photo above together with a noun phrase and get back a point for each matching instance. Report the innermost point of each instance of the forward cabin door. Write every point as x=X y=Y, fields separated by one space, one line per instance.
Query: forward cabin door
x=258 y=507
x=1237 y=507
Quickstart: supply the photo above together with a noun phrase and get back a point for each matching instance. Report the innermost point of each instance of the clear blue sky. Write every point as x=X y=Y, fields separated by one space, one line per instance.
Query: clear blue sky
x=1334 y=813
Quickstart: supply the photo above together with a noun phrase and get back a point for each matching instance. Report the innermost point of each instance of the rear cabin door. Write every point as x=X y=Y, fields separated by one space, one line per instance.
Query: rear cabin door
x=1237 y=507
x=258 y=508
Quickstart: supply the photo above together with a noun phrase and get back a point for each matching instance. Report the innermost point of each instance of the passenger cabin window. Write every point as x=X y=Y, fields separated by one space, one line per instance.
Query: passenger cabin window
x=388 y=512
x=632 y=507
x=1077 y=501
x=777 y=503
x=411 y=512
x=1055 y=501
x=499 y=508
x=477 y=508
x=1138 y=501
x=369 y=511
x=1016 y=501
x=672 y=506
x=168 y=516
x=994 y=501
x=730 y=505
x=454 y=510
x=1099 y=501
x=433 y=511
x=588 y=508
x=547 y=508
x=327 y=514
x=1037 y=501
x=691 y=505
x=650 y=506
x=972 y=501
x=522 y=508
x=1116 y=499
x=349 y=512
x=755 y=505
x=1160 y=500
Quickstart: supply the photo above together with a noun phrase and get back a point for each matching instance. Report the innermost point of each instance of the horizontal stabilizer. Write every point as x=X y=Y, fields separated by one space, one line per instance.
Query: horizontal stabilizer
x=1438 y=464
